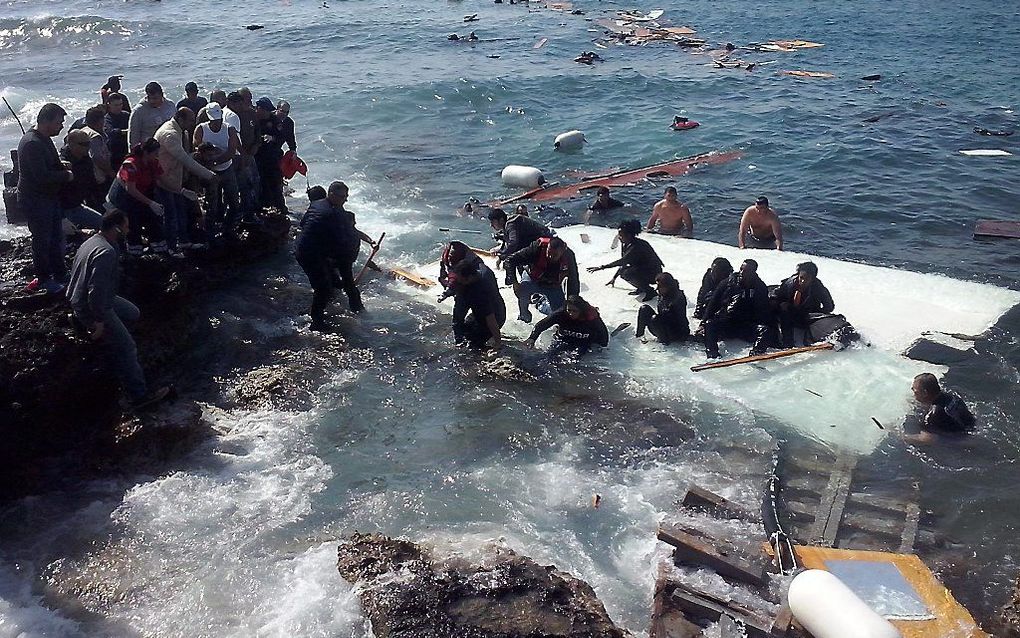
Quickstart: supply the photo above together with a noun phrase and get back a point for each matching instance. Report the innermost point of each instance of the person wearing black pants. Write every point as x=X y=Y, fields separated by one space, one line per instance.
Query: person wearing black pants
x=329 y=239
x=638 y=264
x=669 y=322
x=739 y=308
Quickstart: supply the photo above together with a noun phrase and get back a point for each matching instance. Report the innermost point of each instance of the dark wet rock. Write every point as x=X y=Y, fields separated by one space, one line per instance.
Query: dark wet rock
x=407 y=592
x=1010 y=616
x=58 y=397
x=938 y=353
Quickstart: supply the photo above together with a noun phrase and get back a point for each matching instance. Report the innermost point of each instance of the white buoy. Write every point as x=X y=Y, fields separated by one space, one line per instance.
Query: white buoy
x=827 y=608
x=569 y=141
x=522 y=176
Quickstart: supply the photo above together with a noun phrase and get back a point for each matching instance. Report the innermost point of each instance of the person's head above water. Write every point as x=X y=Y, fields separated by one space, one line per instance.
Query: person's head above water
x=670 y=195
x=762 y=202
x=497 y=218
x=522 y=210
x=316 y=193
x=926 y=388
x=629 y=229
x=337 y=194
x=806 y=273
x=602 y=193
x=721 y=268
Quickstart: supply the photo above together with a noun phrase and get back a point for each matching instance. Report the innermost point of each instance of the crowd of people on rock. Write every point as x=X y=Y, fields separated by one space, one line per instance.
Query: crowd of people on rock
x=185 y=175
x=159 y=178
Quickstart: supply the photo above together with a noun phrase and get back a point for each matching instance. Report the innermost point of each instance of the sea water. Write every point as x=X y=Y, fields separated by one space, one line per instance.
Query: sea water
x=413 y=438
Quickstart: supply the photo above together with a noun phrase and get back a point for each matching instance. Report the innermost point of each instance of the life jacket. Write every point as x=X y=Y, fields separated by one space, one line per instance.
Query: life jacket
x=291 y=164
x=683 y=126
x=539 y=267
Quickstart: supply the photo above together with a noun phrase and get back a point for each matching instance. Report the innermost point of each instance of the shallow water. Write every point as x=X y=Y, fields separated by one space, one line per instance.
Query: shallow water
x=408 y=438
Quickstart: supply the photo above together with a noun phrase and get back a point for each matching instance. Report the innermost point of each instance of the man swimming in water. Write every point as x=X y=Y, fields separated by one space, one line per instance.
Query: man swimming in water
x=603 y=202
x=947 y=415
x=760 y=227
x=673 y=216
x=579 y=328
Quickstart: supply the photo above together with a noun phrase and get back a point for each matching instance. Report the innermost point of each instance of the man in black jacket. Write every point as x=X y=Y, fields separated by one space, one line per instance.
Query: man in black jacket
x=669 y=323
x=330 y=239
x=579 y=328
x=720 y=270
x=739 y=308
x=638 y=264
x=515 y=232
x=548 y=263
x=478 y=308
x=798 y=297
x=41 y=176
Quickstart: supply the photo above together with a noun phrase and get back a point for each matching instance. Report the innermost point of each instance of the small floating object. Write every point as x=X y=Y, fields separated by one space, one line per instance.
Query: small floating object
x=540 y=43
x=789 y=45
x=808 y=74
x=522 y=176
x=986 y=152
x=984 y=131
x=596 y=500
x=683 y=124
x=254 y=27
x=872 y=78
x=589 y=57
x=570 y=140
x=997 y=228
x=471 y=18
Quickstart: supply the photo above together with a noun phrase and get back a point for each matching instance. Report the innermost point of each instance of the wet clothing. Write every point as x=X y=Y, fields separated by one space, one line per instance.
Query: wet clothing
x=328 y=241
x=708 y=286
x=669 y=322
x=638 y=264
x=542 y=276
x=736 y=311
x=287 y=126
x=196 y=103
x=115 y=127
x=599 y=207
x=83 y=189
x=794 y=306
x=752 y=241
x=476 y=296
x=576 y=335
x=92 y=292
x=521 y=231
x=145 y=119
x=948 y=415
x=41 y=177
x=268 y=157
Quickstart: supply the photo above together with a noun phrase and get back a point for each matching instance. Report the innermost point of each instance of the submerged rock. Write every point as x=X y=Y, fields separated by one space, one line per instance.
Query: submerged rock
x=1010 y=616
x=406 y=592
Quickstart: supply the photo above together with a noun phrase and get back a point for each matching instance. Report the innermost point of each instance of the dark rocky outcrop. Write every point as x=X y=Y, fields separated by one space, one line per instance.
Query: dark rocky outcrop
x=1009 y=619
x=408 y=593
x=57 y=396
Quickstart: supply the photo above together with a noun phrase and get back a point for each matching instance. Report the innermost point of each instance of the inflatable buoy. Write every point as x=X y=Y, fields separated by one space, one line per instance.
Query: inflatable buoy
x=827 y=608
x=683 y=124
x=569 y=141
x=522 y=176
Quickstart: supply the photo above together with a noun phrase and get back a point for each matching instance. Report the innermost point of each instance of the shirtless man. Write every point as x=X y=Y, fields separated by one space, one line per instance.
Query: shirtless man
x=760 y=227
x=673 y=216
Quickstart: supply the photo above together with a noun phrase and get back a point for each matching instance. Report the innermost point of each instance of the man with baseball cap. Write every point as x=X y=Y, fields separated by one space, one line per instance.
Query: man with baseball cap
x=224 y=139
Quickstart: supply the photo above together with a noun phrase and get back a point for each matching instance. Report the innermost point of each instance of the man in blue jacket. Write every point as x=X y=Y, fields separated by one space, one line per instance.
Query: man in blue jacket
x=329 y=239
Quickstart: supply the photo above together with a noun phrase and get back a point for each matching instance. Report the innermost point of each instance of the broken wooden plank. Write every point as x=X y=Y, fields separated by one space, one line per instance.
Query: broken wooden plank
x=668 y=622
x=832 y=503
x=997 y=228
x=700 y=551
x=783 y=620
x=892 y=529
x=700 y=497
x=909 y=535
x=883 y=503
x=702 y=605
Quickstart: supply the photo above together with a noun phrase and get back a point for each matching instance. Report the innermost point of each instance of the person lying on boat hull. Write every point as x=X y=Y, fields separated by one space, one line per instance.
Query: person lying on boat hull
x=579 y=328
x=669 y=321
x=739 y=308
x=638 y=264
x=947 y=417
x=797 y=298
x=478 y=308
x=548 y=264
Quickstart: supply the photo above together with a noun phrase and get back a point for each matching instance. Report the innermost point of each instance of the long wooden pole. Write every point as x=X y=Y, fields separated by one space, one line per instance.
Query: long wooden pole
x=375 y=250
x=761 y=357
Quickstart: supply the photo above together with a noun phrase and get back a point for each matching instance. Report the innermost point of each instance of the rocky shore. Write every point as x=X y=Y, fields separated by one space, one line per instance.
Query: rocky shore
x=59 y=405
x=407 y=591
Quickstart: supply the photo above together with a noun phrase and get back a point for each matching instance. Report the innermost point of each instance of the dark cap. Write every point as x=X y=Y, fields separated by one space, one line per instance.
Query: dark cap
x=265 y=104
x=763 y=201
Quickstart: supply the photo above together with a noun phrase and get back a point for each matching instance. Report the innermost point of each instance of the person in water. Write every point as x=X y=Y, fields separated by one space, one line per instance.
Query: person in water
x=797 y=298
x=478 y=308
x=672 y=215
x=604 y=202
x=739 y=308
x=669 y=322
x=329 y=238
x=548 y=264
x=715 y=275
x=947 y=415
x=515 y=232
x=638 y=264
x=579 y=328
x=760 y=227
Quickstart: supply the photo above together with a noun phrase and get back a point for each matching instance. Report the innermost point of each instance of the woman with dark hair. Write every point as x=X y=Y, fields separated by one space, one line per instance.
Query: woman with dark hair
x=669 y=323
x=578 y=328
x=719 y=272
x=638 y=264
x=134 y=191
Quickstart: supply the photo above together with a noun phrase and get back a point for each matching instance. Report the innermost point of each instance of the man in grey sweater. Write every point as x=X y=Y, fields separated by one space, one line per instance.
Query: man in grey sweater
x=92 y=293
x=41 y=176
x=149 y=115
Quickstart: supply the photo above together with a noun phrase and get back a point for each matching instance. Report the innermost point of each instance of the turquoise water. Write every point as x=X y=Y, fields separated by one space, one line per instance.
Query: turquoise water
x=409 y=439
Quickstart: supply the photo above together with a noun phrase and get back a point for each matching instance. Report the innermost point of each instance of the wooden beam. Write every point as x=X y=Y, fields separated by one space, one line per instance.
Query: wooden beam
x=761 y=357
x=781 y=625
x=833 y=502
x=909 y=535
x=700 y=497
x=700 y=551
x=701 y=605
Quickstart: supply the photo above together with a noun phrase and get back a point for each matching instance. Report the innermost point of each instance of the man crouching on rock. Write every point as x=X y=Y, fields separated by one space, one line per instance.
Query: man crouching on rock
x=92 y=292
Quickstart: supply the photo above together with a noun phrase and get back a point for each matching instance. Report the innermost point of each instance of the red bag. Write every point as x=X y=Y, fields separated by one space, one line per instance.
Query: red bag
x=291 y=164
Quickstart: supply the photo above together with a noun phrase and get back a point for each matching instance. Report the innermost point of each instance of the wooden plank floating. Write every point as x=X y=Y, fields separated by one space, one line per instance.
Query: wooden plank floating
x=769 y=356
x=833 y=502
x=702 y=551
x=698 y=497
x=702 y=605
x=909 y=535
x=997 y=228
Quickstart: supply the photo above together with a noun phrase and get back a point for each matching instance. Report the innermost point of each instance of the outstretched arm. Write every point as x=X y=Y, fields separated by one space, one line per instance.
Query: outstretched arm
x=777 y=230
